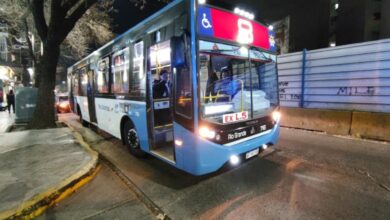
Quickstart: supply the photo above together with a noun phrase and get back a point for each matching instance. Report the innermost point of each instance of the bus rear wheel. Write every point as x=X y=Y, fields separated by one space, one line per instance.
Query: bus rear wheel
x=131 y=140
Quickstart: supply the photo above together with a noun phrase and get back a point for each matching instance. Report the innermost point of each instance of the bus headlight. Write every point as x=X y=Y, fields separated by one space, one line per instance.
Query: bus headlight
x=206 y=132
x=276 y=116
x=234 y=160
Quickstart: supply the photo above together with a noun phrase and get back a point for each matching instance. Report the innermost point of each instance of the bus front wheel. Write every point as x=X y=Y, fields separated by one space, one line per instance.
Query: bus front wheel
x=131 y=140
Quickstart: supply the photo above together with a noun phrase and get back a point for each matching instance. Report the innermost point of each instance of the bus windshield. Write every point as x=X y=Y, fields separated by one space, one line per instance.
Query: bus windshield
x=236 y=84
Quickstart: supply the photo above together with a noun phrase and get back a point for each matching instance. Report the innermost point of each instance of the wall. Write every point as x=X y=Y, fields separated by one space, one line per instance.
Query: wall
x=345 y=90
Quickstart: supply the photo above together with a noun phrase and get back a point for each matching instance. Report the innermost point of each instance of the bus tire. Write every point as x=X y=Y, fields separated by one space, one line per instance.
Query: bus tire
x=131 y=140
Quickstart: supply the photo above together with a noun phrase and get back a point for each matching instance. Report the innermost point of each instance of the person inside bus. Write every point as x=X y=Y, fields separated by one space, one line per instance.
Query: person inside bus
x=227 y=85
x=162 y=89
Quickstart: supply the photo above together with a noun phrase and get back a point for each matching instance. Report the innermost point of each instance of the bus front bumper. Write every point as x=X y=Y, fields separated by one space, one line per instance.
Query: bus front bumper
x=202 y=156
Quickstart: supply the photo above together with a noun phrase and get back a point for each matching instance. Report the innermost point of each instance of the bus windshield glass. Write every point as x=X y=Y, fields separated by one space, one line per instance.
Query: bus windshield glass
x=236 y=83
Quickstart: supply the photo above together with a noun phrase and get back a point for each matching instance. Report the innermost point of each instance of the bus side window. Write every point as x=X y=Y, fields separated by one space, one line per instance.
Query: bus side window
x=102 y=76
x=75 y=79
x=120 y=72
x=137 y=78
x=84 y=81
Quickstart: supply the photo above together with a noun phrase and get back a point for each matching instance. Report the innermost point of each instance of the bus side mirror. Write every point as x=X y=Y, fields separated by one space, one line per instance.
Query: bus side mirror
x=178 y=54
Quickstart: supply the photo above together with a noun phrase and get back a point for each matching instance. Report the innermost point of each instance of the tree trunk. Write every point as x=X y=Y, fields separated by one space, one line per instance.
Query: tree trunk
x=44 y=115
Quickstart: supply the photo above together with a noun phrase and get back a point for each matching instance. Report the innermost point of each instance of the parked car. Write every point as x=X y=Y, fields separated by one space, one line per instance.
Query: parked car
x=62 y=103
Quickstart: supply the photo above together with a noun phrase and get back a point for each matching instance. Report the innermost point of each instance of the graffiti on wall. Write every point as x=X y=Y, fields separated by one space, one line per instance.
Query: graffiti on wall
x=356 y=91
x=287 y=97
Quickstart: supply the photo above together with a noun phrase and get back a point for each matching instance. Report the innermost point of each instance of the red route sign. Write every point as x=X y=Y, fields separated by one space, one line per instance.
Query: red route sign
x=231 y=27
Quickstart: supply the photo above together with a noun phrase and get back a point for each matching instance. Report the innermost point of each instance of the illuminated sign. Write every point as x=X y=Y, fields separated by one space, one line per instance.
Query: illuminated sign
x=240 y=116
x=231 y=27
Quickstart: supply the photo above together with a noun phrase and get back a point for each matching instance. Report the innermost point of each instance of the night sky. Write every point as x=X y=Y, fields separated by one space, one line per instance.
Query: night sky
x=127 y=15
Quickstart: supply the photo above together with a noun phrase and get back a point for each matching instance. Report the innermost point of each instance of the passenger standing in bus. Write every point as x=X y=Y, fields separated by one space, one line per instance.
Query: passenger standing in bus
x=162 y=89
x=11 y=101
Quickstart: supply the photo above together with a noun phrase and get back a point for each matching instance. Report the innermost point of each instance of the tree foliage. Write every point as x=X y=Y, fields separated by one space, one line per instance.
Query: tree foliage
x=92 y=30
x=67 y=27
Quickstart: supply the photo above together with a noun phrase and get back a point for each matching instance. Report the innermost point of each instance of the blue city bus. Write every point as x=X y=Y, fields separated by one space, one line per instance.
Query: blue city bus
x=194 y=85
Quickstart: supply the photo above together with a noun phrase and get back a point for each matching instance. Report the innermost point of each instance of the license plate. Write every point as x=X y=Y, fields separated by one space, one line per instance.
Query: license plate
x=252 y=153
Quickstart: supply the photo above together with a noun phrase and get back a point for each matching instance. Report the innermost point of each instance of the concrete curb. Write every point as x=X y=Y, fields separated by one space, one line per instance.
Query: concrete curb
x=8 y=129
x=156 y=210
x=37 y=205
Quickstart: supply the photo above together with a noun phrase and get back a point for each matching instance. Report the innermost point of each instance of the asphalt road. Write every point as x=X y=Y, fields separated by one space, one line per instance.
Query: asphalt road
x=308 y=176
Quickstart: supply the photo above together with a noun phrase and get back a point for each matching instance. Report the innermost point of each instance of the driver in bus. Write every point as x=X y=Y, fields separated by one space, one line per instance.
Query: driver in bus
x=227 y=85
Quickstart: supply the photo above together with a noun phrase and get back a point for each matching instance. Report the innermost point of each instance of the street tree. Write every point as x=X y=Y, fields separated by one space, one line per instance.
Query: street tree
x=52 y=30
x=53 y=21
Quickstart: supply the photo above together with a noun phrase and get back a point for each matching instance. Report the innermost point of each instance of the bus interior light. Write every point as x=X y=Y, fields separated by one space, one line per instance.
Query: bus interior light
x=234 y=160
x=205 y=132
x=276 y=116
x=201 y=2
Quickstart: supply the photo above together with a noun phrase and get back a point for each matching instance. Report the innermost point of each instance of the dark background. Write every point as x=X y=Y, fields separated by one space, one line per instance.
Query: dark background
x=313 y=23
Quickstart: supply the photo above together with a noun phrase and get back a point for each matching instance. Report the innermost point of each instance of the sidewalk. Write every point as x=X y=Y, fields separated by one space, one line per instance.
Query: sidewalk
x=39 y=168
x=6 y=120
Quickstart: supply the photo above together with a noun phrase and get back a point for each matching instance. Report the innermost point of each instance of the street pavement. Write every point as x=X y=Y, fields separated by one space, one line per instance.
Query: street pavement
x=105 y=197
x=6 y=119
x=308 y=176
x=36 y=166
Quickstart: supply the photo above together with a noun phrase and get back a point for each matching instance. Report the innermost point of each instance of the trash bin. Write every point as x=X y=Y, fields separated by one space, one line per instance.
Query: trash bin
x=25 y=103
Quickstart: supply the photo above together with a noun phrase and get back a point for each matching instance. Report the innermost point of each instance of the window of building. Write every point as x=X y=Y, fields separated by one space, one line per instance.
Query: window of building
x=120 y=72
x=102 y=76
x=377 y=16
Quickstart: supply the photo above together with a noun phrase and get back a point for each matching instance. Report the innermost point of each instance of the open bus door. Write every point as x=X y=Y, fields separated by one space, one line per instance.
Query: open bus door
x=170 y=89
x=161 y=102
x=91 y=97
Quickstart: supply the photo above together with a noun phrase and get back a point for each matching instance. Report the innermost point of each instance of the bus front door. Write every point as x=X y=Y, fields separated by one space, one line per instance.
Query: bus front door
x=161 y=100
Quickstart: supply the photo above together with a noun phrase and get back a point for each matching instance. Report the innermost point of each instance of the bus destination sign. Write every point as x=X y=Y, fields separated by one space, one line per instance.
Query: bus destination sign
x=231 y=27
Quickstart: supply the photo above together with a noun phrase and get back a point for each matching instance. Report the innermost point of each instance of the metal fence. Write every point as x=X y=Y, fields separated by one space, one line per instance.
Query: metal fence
x=352 y=77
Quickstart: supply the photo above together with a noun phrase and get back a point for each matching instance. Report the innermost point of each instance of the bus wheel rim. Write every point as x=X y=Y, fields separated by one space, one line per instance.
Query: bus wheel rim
x=132 y=138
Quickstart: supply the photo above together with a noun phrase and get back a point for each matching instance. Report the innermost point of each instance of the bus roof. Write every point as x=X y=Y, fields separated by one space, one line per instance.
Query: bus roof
x=137 y=26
